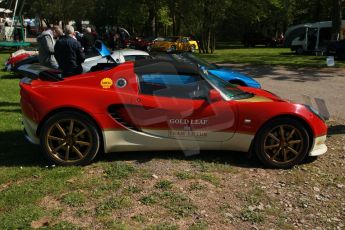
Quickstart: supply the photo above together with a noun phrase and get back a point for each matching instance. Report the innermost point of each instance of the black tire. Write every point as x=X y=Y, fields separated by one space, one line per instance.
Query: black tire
x=282 y=151
x=299 y=51
x=64 y=147
x=192 y=49
x=172 y=48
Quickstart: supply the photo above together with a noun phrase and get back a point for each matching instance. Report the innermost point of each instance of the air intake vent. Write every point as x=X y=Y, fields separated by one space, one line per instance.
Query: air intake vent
x=118 y=113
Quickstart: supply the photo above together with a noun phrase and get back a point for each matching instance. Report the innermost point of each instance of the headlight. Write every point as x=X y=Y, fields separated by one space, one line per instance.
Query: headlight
x=314 y=111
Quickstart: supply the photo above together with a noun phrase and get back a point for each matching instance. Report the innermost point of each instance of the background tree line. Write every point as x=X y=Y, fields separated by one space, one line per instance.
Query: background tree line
x=207 y=20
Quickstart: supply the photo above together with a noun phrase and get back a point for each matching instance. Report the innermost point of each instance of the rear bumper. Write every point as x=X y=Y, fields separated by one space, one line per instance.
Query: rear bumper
x=30 y=131
x=319 y=147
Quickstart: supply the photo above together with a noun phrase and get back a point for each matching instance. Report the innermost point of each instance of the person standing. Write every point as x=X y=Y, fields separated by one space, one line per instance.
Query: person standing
x=69 y=53
x=88 y=40
x=46 y=43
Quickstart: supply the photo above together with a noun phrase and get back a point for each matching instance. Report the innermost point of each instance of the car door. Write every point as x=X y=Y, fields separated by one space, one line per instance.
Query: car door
x=185 y=44
x=176 y=106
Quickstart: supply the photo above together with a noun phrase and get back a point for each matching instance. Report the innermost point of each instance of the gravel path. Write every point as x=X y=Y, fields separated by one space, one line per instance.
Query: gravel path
x=299 y=84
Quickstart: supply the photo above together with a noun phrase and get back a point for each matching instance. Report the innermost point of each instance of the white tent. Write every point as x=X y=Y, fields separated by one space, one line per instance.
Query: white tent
x=6 y=11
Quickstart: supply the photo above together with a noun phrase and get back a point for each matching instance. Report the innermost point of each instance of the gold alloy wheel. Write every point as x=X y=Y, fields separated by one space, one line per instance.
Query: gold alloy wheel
x=69 y=140
x=283 y=144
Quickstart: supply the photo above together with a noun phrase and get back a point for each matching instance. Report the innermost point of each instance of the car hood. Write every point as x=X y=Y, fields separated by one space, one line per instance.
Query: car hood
x=228 y=74
x=264 y=95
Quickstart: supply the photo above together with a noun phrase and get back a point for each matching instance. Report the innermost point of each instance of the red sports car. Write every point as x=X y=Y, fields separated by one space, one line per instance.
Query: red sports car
x=18 y=57
x=161 y=105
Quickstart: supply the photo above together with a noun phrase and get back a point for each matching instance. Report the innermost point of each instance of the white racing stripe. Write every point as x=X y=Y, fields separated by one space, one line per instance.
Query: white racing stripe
x=116 y=141
x=319 y=147
x=30 y=128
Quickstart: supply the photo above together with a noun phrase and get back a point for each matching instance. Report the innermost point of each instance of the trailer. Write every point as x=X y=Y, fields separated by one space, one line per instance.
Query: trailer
x=311 y=37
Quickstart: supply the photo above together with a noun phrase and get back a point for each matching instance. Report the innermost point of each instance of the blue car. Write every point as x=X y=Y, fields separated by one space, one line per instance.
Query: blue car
x=226 y=74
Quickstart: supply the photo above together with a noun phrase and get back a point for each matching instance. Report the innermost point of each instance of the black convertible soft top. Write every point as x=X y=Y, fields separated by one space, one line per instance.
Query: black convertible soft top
x=152 y=66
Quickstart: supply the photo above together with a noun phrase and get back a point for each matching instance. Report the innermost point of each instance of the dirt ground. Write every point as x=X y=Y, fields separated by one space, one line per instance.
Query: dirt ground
x=302 y=84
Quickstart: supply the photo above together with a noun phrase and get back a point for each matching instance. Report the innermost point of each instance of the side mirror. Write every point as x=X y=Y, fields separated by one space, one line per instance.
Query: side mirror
x=214 y=96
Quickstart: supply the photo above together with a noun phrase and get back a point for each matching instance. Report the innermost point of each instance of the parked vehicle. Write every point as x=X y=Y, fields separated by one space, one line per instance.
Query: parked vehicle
x=141 y=43
x=225 y=74
x=172 y=44
x=119 y=56
x=311 y=37
x=159 y=105
x=16 y=58
x=337 y=49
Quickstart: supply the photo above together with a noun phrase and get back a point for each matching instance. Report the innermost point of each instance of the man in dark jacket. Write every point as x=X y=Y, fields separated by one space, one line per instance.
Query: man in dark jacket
x=88 y=40
x=69 y=53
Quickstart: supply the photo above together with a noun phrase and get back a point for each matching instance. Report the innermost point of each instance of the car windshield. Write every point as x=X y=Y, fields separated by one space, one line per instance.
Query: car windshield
x=170 y=39
x=228 y=90
x=199 y=61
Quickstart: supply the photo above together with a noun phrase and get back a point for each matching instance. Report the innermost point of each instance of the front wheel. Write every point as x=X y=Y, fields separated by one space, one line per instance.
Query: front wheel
x=70 y=138
x=192 y=48
x=282 y=143
x=299 y=51
x=173 y=48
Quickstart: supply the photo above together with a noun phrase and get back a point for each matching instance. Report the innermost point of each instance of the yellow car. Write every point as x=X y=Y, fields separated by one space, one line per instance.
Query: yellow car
x=171 y=44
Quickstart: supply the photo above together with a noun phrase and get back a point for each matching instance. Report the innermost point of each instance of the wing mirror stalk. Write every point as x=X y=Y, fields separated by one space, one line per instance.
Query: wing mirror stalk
x=214 y=96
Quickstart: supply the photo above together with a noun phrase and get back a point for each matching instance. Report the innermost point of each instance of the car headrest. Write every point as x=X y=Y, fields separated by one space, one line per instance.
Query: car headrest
x=50 y=75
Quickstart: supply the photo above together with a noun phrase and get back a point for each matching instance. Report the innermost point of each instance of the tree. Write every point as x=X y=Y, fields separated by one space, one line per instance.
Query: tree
x=337 y=18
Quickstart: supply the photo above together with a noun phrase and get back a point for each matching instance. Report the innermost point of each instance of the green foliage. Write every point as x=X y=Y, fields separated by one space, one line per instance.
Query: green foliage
x=164 y=185
x=119 y=170
x=149 y=199
x=111 y=204
x=197 y=186
x=185 y=175
x=253 y=216
x=207 y=19
x=74 y=199
x=199 y=225
x=163 y=226
x=21 y=217
x=65 y=225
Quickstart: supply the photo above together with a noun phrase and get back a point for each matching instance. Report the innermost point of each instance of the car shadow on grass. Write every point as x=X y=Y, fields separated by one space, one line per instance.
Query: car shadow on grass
x=16 y=151
x=10 y=76
x=237 y=159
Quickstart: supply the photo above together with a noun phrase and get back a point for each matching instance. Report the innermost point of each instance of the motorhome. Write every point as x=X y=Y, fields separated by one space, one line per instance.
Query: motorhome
x=311 y=37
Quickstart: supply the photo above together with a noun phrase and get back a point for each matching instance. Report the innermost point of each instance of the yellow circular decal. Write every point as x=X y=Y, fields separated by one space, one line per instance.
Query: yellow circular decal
x=106 y=83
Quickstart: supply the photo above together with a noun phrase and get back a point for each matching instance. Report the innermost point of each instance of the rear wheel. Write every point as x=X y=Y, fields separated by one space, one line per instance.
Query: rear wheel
x=282 y=143
x=70 y=138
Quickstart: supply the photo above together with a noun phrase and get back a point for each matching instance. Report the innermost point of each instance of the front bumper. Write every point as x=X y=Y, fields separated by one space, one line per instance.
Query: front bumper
x=319 y=147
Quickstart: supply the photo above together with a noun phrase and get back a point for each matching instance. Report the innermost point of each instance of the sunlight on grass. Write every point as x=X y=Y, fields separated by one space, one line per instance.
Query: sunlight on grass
x=267 y=56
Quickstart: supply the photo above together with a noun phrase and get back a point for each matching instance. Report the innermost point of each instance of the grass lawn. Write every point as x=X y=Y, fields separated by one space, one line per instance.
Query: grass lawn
x=164 y=190
x=265 y=56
